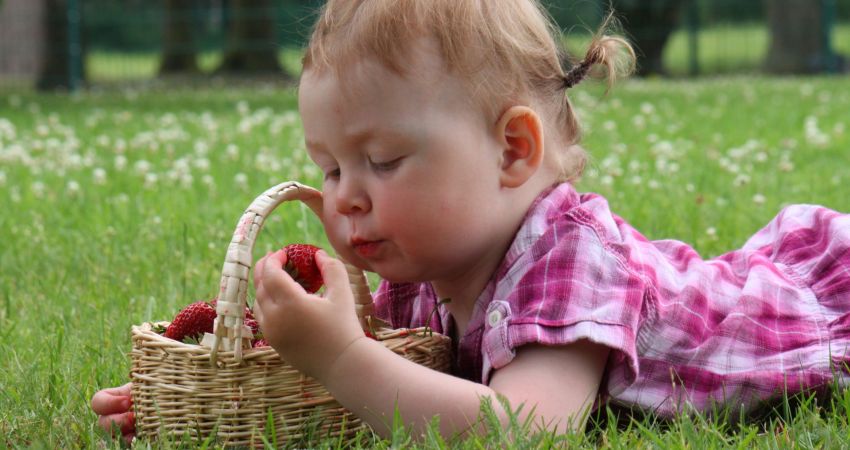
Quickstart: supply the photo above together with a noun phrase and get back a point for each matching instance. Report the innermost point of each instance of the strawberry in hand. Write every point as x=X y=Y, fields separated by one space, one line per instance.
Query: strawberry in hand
x=301 y=266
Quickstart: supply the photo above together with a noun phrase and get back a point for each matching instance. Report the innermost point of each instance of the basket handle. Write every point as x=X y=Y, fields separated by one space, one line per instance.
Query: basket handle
x=233 y=292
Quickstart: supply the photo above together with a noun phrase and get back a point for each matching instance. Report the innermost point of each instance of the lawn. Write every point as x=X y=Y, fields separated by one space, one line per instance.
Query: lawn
x=118 y=206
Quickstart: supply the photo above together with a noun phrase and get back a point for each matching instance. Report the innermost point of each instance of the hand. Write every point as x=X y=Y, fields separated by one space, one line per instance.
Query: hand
x=308 y=331
x=113 y=407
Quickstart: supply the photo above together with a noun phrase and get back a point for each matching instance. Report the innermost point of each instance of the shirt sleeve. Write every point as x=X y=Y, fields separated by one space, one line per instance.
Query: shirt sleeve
x=569 y=285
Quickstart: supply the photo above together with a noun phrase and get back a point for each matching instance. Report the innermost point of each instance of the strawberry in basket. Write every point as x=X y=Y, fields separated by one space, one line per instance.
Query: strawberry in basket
x=190 y=324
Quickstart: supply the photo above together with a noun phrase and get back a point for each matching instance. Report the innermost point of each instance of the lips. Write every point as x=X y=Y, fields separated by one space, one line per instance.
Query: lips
x=366 y=248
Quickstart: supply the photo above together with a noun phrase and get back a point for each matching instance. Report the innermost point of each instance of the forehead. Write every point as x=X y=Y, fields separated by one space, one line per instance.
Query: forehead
x=364 y=90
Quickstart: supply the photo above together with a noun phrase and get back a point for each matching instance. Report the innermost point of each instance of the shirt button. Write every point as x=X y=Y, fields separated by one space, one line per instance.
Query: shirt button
x=494 y=318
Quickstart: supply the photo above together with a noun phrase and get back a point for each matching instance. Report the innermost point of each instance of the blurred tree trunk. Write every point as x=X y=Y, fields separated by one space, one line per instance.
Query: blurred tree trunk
x=55 y=72
x=251 y=45
x=178 y=49
x=648 y=24
x=796 y=37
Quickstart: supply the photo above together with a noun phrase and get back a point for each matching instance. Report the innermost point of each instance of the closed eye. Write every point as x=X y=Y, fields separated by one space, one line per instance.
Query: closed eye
x=385 y=166
x=332 y=174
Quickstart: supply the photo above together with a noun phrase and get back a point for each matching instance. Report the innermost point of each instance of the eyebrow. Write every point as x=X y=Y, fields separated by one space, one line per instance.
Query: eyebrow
x=365 y=136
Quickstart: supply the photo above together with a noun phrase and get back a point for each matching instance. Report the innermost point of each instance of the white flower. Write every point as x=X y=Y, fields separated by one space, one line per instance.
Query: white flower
x=607 y=180
x=711 y=231
x=202 y=164
x=201 y=148
x=690 y=187
x=759 y=199
x=99 y=176
x=37 y=188
x=232 y=151
x=73 y=188
x=120 y=162
x=741 y=180
x=241 y=179
x=208 y=180
x=653 y=184
x=150 y=180
x=2 y=178
x=142 y=167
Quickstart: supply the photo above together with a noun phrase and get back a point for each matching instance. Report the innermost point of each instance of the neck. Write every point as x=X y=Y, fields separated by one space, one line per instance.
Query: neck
x=465 y=286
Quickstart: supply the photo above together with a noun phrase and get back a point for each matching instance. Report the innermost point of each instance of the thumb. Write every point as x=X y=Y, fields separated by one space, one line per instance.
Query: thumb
x=333 y=274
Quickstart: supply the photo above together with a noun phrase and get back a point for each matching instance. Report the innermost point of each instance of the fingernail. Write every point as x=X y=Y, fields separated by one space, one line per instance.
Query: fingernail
x=126 y=403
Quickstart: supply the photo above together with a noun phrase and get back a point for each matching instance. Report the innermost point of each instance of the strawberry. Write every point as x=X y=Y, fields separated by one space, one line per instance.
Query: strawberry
x=192 y=322
x=259 y=343
x=301 y=266
x=253 y=325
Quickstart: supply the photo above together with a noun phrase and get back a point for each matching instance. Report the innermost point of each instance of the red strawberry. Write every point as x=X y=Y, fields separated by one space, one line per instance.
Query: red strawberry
x=253 y=325
x=192 y=322
x=260 y=343
x=301 y=266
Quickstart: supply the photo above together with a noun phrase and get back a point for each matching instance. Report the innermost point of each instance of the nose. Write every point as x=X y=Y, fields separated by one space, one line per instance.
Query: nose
x=351 y=196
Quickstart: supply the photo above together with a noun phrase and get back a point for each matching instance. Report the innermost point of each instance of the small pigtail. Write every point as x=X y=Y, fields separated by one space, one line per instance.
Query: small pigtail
x=613 y=52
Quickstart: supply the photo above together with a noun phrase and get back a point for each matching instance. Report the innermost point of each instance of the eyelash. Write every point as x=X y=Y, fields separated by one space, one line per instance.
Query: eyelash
x=385 y=166
x=332 y=174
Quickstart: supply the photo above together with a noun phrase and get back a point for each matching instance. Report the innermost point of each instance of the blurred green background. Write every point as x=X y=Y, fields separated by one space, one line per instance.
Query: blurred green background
x=75 y=43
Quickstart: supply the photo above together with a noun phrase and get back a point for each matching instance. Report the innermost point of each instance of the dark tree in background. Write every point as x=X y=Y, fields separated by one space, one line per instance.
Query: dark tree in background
x=648 y=25
x=56 y=61
x=797 y=43
x=178 y=47
x=251 y=43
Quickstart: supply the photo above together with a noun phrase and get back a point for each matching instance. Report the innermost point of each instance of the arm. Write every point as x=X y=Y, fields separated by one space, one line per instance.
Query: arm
x=322 y=338
x=558 y=383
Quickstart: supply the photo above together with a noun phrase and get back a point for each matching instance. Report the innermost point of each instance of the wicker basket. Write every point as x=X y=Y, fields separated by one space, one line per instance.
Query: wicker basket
x=217 y=389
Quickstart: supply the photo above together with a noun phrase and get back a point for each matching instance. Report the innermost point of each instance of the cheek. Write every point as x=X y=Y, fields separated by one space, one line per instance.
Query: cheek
x=335 y=229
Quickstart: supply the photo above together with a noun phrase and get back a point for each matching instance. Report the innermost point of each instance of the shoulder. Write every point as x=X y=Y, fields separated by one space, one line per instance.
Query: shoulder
x=566 y=279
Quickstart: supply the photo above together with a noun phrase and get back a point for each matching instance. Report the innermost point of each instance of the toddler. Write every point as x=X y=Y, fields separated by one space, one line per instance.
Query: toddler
x=449 y=147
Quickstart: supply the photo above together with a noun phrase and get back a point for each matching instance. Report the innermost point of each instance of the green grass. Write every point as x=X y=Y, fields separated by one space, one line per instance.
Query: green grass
x=93 y=242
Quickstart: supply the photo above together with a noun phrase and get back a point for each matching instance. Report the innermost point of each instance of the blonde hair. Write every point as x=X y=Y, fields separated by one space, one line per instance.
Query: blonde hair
x=505 y=49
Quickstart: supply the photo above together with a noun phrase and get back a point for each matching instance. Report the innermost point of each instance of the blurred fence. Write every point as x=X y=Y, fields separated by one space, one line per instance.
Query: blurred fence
x=72 y=42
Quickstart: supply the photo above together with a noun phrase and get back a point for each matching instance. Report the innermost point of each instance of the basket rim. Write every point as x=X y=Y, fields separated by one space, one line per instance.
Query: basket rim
x=145 y=330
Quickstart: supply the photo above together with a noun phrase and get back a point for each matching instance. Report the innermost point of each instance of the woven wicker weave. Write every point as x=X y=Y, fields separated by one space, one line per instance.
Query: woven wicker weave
x=195 y=391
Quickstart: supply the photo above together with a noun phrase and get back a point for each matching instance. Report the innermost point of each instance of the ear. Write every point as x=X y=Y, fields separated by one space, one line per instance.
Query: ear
x=520 y=132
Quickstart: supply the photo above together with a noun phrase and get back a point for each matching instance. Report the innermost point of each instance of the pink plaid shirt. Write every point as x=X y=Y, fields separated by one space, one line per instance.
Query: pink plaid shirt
x=683 y=332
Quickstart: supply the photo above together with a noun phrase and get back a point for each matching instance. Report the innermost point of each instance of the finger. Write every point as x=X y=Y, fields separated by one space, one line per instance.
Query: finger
x=258 y=269
x=123 y=423
x=112 y=400
x=278 y=285
x=333 y=273
x=258 y=305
